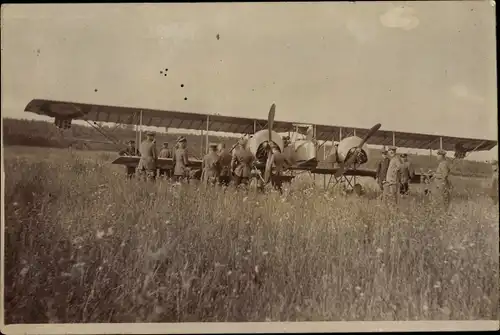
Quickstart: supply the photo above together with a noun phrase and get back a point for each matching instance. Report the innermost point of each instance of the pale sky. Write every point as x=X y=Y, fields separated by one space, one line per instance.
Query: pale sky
x=425 y=67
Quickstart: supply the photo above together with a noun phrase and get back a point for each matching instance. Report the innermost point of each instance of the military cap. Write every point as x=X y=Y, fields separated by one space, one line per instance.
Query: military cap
x=212 y=145
x=403 y=155
x=181 y=139
x=150 y=133
x=384 y=151
x=165 y=143
x=393 y=148
x=441 y=152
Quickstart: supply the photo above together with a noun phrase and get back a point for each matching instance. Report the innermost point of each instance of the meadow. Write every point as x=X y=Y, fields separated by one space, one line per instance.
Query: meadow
x=83 y=244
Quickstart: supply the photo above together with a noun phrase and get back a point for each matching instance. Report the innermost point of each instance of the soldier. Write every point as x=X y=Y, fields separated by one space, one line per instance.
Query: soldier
x=130 y=151
x=241 y=163
x=147 y=163
x=382 y=169
x=225 y=165
x=165 y=153
x=181 y=160
x=441 y=180
x=494 y=182
x=211 y=165
x=407 y=173
x=279 y=163
x=393 y=176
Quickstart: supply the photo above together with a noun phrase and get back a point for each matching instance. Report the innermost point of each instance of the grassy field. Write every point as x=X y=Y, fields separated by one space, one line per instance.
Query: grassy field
x=83 y=244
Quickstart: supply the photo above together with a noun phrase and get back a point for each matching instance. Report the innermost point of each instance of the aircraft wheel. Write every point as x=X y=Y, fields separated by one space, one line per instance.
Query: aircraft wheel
x=358 y=189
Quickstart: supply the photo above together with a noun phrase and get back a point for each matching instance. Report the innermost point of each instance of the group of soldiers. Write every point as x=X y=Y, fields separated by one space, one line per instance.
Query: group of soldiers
x=219 y=165
x=394 y=173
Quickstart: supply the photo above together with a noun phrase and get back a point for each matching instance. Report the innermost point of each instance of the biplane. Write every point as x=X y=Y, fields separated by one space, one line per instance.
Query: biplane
x=343 y=163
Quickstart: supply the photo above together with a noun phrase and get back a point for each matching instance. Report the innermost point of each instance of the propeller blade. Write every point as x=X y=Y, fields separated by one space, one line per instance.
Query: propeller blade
x=269 y=163
x=370 y=133
x=270 y=121
x=309 y=134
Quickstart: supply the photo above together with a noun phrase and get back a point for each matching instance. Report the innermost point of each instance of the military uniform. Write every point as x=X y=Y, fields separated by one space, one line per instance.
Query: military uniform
x=279 y=161
x=381 y=172
x=241 y=164
x=211 y=166
x=181 y=161
x=147 y=163
x=442 y=185
x=225 y=167
x=130 y=151
x=393 y=178
x=165 y=153
x=494 y=182
x=407 y=174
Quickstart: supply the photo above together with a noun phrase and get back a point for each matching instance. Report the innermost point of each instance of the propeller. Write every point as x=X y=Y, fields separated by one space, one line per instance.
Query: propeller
x=309 y=134
x=270 y=122
x=357 y=150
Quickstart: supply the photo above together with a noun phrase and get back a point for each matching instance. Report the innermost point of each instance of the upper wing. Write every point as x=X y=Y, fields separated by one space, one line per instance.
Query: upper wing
x=231 y=124
x=407 y=140
x=150 y=117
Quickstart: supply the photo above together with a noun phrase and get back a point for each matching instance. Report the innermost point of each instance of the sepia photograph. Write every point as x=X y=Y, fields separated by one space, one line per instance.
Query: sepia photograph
x=263 y=167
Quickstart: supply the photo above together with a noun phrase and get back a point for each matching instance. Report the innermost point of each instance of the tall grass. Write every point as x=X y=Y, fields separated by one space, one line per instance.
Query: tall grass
x=83 y=244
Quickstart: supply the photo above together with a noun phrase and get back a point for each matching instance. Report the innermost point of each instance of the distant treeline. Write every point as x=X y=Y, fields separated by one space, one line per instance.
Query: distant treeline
x=46 y=134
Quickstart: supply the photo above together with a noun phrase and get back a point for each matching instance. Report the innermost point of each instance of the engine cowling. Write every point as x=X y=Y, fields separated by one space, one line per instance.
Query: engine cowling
x=304 y=151
x=345 y=149
x=256 y=143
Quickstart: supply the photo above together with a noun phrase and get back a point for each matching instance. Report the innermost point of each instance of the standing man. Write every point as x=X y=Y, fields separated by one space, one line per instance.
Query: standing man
x=279 y=163
x=407 y=174
x=181 y=160
x=130 y=151
x=494 y=182
x=211 y=166
x=393 y=177
x=149 y=155
x=441 y=180
x=241 y=163
x=382 y=167
x=165 y=153
x=225 y=165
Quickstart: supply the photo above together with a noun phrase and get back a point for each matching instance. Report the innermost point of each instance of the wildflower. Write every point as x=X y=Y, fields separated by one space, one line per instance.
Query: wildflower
x=437 y=284
x=264 y=253
x=100 y=234
x=357 y=289
x=445 y=310
x=24 y=271
x=379 y=251
x=425 y=308
x=245 y=199
x=159 y=310
x=256 y=269
x=110 y=231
